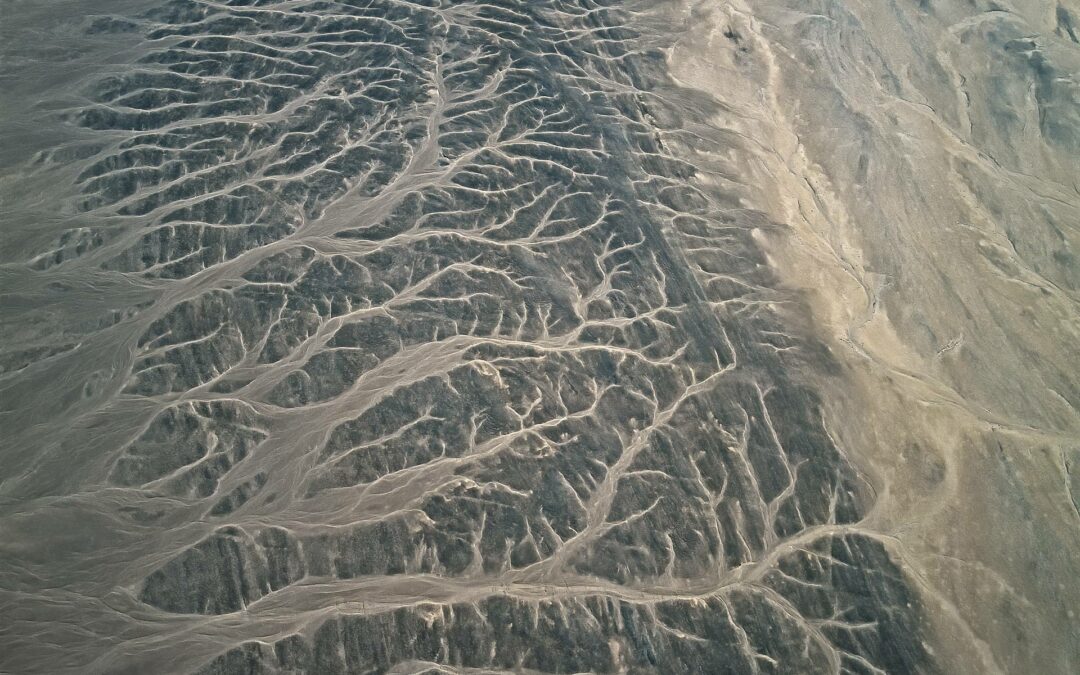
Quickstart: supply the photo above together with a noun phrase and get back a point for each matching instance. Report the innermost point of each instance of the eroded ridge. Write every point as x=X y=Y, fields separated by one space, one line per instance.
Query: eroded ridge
x=453 y=363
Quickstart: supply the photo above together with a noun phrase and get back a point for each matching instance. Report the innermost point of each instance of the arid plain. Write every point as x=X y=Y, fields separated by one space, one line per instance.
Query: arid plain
x=418 y=336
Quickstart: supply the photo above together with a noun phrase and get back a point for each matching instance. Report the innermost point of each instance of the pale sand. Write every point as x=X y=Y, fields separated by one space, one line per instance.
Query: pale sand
x=933 y=236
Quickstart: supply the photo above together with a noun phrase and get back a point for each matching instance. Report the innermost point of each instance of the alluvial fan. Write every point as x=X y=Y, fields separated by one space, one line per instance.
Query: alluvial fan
x=415 y=336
